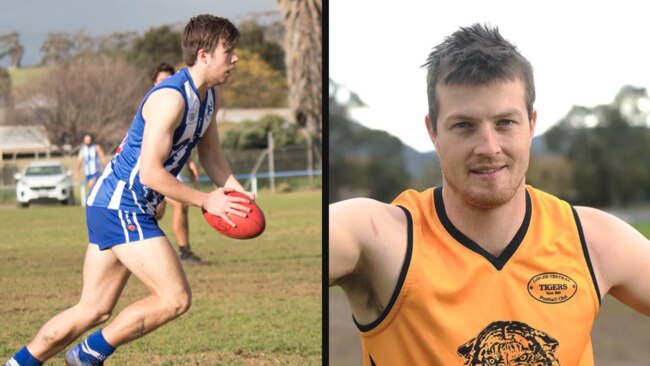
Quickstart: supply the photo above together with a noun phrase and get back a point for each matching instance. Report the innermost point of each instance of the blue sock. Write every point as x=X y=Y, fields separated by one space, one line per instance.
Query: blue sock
x=95 y=348
x=23 y=358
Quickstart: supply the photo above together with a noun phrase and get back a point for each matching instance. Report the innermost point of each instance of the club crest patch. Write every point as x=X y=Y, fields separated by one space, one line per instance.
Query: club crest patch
x=510 y=343
x=552 y=287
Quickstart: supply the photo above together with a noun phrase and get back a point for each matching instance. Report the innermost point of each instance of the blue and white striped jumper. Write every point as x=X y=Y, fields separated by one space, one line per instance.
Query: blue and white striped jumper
x=90 y=159
x=119 y=187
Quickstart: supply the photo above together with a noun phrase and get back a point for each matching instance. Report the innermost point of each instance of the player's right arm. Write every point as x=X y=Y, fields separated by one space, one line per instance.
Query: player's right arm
x=359 y=231
x=367 y=247
x=162 y=113
x=344 y=240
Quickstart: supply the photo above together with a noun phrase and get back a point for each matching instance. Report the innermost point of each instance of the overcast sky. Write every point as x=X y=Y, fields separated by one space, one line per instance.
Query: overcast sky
x=582 y=51
x=33 y=19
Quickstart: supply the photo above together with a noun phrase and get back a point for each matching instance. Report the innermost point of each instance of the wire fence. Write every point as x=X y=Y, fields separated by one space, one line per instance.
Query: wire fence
x=285 y=169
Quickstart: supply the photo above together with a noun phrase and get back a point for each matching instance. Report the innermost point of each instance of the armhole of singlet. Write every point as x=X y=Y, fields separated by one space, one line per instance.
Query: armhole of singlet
x=173 y=87
x=400 y=280
x=585 y=250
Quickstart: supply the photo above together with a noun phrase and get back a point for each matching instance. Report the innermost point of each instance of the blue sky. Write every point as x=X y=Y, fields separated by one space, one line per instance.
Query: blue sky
x=33 y=19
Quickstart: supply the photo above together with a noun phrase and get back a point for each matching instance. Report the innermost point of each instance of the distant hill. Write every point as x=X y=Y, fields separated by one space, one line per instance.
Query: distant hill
x=539 y=146
x=414 y=161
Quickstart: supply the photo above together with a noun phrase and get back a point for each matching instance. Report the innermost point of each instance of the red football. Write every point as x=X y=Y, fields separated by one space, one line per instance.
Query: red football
x=247 y=227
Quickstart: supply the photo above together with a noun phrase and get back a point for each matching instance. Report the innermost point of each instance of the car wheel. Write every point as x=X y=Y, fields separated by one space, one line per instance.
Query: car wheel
x=24 y=204
x=68 y=201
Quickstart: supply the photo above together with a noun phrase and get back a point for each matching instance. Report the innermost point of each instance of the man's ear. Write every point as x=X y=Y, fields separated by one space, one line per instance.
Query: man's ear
x=202 y=56
x=432 y=133
x=533 y=122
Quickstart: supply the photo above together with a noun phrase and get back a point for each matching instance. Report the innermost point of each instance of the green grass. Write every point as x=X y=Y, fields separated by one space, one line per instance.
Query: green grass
x=23 y=75
x=644 y=228
x=256 y=302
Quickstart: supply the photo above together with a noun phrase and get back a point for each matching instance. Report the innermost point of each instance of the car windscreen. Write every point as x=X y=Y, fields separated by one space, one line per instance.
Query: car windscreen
x=44 y=170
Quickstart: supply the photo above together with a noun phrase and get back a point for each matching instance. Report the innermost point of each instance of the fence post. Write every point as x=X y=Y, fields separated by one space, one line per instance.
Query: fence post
x=254 y=184
x=271 y=162
x=310 y=158
x=82 y=194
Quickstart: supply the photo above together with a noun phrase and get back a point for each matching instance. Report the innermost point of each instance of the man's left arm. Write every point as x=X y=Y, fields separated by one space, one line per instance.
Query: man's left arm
x=620 y=256
x=192 y=169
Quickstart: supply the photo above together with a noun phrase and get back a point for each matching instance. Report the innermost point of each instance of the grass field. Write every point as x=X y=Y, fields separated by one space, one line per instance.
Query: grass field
x=620 y=335
x=256 y=302
x=22 y=75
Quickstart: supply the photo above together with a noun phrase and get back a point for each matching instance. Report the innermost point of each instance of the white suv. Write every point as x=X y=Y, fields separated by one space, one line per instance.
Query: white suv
x=44 y=180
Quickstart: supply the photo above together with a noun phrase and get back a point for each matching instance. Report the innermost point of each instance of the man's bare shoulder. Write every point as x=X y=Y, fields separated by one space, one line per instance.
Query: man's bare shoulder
x=362 y=204
x=367 y=246
x=166 y=96
x=366 y=216
x=614 y=247
x=367 y=232
x=166 y=106
x=604 y=227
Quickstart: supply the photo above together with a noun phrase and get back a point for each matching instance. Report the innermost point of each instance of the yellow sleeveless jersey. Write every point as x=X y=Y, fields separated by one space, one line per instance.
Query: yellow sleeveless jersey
x=457 y=304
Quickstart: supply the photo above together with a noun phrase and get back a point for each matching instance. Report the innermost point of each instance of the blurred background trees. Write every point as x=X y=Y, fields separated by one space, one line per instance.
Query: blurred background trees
x=157 y=44
x=362 y=162
x=609 y=149
x=303 y=47
x=88 y=84
x=255 y=85
x=85 y=94
x=597 y=156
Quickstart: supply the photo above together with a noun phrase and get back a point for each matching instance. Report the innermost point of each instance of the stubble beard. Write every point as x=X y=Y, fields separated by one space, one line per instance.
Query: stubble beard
x=485 y=197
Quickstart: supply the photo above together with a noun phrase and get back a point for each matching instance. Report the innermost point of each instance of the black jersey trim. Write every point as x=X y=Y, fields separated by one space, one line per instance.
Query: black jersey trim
x=400 y=279
x=585 y=250
x=372 y=362
x=497 y=262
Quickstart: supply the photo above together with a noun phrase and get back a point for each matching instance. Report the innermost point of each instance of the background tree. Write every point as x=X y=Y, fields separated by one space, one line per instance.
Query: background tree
x=362 y=162
x=156 y=45
x=10 y=46
x=5 y=83
x=83 y=43
x=253 y=39
x=87 y=94
x=303 y=47
x=253 y=134
x=5 y=94
x=57 y=47
x=608 y=146
x=254 y=84
x=117 y=44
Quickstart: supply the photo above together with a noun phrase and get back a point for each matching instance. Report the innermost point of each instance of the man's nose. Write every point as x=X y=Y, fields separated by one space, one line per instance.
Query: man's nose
x=488 y=142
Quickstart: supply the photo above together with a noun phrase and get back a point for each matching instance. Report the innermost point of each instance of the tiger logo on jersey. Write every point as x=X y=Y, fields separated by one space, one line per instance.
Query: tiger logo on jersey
x=510 y=343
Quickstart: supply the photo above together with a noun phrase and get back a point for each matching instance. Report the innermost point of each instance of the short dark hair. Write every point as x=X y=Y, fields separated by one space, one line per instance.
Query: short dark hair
x=161 y=67
x=476 y=55
x=204 y=32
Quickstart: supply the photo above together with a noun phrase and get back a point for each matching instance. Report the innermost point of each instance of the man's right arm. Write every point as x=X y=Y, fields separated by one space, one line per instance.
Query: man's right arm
x=359 y=229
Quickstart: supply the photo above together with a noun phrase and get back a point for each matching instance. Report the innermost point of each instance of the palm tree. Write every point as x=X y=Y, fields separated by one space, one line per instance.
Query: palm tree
x=303 y=48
